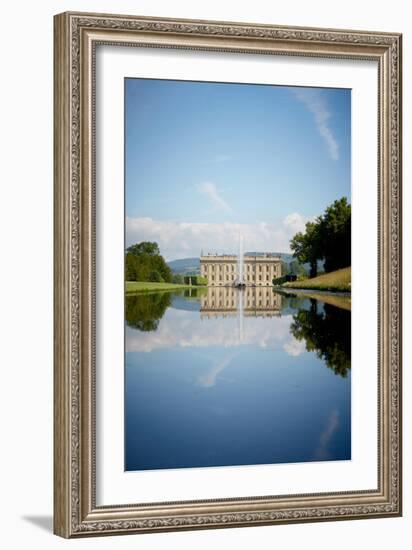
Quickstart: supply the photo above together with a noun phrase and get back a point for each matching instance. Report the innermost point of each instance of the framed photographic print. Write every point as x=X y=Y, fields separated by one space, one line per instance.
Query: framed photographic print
x=227 y=274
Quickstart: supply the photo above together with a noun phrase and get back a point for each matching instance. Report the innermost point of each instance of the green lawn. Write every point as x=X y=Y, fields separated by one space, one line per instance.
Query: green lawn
x=143 y=286
x=339 y=280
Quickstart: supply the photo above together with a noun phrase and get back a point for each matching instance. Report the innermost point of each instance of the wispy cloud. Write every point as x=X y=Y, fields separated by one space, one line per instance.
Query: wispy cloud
x=316 y=104
x=183 y=240
x=209 y=190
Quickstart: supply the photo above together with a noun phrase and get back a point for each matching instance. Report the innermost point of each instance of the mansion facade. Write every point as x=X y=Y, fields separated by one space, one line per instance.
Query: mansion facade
x=222 y=270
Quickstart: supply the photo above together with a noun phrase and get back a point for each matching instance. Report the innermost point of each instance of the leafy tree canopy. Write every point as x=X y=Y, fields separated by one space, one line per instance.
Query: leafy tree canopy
x=144 y=263
x=327 y=238
x=145 y=247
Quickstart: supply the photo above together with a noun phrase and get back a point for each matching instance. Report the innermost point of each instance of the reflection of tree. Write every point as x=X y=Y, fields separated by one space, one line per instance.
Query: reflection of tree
x=292 y=301
x=195 y=292
x=328 y=333
x=144 y=311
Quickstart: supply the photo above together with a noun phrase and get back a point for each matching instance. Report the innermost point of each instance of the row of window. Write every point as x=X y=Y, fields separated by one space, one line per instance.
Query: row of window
x=229 y=278
x=232 y=267
x=248 y=303
x=219 y=291
x=220 y=267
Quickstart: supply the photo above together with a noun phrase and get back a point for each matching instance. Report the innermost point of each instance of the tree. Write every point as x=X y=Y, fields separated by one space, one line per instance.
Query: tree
x=155 y=277
x=328 y=238
x=284 y=268
x=138 y=268
x=335 y=228
x=177 y=279
x=143 y=260
x=158 y=264
x=296 y=268
x=131 y=268
x=307 y=246
x=145 y=247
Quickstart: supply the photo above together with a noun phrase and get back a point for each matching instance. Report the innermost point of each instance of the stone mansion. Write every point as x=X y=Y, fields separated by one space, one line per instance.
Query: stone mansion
x=223 y=270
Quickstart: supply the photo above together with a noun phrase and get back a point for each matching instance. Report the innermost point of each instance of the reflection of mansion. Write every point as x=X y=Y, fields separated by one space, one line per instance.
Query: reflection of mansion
x=229 y=300
x=223 y=270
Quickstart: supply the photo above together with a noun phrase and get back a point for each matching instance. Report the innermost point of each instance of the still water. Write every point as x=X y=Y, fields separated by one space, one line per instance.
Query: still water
x=224 y=377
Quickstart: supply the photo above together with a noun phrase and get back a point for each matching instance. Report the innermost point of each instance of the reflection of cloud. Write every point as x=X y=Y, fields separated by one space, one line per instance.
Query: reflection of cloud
x=294 y=347
x=322 y=452
x=182 y=240
x=315 y=102
x=183 y=329
x=209 y=190
x=209 y=379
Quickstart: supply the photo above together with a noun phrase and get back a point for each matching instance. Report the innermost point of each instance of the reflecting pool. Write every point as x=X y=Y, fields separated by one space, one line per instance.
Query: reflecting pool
x=225 y=377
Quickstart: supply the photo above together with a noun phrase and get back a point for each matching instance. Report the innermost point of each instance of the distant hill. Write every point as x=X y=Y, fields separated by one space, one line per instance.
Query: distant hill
x=186 y=265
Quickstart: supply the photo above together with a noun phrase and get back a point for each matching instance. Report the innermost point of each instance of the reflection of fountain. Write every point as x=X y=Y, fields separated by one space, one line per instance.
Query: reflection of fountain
x=240 y=282
x=240 y=317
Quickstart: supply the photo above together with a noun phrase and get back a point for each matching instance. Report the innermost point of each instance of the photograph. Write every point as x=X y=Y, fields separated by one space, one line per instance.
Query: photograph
x=237 y=274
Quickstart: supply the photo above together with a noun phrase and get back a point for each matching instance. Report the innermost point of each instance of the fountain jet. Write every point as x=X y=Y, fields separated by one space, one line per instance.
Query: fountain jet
x=240 y=282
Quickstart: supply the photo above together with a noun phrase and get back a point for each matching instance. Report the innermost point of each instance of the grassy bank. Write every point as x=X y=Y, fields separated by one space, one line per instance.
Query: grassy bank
x=144 y=286
x=339 y=280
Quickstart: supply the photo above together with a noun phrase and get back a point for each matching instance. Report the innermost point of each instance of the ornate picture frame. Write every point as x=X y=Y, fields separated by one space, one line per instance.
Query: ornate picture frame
x=76 y=36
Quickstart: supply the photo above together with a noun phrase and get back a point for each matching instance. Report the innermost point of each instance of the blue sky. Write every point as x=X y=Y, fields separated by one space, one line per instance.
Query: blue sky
x=207 y=161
